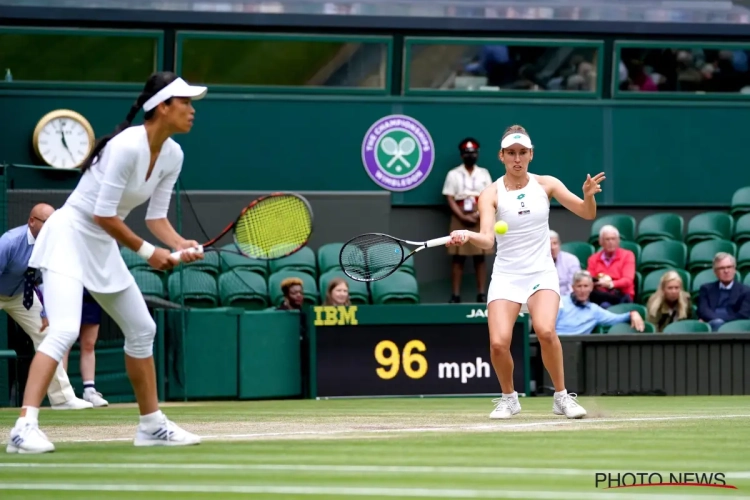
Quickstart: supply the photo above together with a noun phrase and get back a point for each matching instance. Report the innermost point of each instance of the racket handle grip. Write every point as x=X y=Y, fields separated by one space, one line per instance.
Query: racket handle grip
x=177 y=255
x=438 y=242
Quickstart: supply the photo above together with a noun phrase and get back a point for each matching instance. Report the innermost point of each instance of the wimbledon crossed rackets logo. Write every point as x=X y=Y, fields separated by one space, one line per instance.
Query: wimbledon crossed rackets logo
x=398 y=153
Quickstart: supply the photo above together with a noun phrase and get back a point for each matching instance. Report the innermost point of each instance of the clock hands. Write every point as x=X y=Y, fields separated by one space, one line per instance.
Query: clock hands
x=64 y=142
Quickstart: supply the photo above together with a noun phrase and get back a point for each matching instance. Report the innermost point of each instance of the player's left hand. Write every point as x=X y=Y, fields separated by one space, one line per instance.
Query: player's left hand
x=591 y=186
x=189 y=256
x=458 y=238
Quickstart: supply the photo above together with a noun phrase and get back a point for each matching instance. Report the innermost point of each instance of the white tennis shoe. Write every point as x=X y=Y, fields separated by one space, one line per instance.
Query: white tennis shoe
x=95 y=398
x=164 y=433
x=505 y=408
x=26 y=437
x=568 y=405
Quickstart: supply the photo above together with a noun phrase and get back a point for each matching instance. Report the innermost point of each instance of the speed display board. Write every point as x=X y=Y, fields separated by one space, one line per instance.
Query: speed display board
x=408 y=351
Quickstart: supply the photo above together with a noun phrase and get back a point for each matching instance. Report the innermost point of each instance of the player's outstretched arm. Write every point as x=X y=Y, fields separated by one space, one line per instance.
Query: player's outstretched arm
x=584 y=208
x=485 y=238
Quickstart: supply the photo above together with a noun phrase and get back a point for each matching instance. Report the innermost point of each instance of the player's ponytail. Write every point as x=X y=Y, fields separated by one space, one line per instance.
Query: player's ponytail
x=155 y=83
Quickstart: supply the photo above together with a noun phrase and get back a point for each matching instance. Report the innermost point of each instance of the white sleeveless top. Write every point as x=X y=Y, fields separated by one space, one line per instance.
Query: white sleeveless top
x=525 y=248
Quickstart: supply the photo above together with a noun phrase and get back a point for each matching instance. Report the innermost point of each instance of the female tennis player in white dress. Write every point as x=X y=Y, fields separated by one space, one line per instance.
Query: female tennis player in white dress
x=77 y=248
x=524 y=274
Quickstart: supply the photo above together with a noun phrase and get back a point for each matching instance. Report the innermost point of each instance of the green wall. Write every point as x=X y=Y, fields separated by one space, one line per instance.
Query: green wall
x=652 y=151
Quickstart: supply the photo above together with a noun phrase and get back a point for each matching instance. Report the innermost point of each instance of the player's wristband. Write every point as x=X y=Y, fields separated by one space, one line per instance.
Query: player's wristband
x=146 y=250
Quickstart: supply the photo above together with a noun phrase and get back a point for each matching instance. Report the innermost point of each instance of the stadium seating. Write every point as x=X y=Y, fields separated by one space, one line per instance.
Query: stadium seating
x=623 y=308
x=309 y=286
x=740 y=204
x=702 y=254
x=235 y=261
x=621 y=328
x=687 y=326
x=302 y=260
x=651 y=282
x=358 y=293
x=633 y=247
x=709 y=225
x=208 y=264
x=199 y=288
x=132 y=259
x=746 y=281
x=661 y=254
x=328 y=257
x=580 y=249
x=742 y=230
x=736 y=326
x=743 y=259
x=150 y=283
x=700 y=279
x=243 y=288
x=398 y=288
x=624 y=223
x=656 y=227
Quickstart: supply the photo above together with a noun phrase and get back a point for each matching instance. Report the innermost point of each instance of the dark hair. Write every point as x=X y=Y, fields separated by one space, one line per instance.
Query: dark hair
x=154 y=84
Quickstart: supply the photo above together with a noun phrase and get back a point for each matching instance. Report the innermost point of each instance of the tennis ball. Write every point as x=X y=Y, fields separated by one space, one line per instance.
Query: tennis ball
x=501 y=227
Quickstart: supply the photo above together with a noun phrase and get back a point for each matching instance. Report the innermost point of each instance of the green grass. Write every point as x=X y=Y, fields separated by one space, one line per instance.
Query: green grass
x=388 y=448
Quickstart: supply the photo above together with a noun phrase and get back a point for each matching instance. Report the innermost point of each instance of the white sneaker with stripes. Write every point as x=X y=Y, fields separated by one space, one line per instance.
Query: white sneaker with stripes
x=568 y=405
x=26 y=437
x=164 y=433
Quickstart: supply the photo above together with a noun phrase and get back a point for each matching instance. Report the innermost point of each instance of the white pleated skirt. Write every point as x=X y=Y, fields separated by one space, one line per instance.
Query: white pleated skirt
x=72 y=244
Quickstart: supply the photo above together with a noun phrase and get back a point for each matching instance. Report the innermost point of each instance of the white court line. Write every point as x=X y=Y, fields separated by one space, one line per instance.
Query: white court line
x=377 y=469
x=450 y=428
x=355 y=491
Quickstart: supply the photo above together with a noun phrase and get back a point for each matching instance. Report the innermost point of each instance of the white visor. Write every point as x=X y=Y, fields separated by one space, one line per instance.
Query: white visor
x=521 y=139
x=178 y=88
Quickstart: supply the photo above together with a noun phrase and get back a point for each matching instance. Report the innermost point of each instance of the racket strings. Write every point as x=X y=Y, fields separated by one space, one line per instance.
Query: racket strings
x=370 y=257
x=274 y=227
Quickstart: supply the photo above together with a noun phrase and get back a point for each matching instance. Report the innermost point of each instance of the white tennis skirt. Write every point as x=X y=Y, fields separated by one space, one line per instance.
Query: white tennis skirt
x=72 y=244
x=519 y=287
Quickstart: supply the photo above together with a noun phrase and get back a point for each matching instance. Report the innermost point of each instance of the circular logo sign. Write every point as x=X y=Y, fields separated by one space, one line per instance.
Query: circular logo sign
x=398 y=153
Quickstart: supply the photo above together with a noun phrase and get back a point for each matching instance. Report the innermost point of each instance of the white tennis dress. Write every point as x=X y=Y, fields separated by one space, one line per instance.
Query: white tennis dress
x=72 y=244
x=523 y=263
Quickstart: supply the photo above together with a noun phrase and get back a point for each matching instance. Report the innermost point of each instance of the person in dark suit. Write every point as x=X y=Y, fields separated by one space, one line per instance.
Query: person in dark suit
x=726 y=299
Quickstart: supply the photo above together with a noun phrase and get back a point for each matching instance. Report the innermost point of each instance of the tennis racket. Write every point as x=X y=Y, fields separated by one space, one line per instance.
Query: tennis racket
x=374 y=256
x=271 y=227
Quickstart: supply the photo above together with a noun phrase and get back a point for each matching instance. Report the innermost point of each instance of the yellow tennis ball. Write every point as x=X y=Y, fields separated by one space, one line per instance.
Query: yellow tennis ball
x=501 y=227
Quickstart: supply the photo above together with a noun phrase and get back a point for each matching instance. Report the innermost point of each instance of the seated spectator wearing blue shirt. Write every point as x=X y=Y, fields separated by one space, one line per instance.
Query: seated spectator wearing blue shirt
x=579 y=316
x=726 y=299
x=20 y=301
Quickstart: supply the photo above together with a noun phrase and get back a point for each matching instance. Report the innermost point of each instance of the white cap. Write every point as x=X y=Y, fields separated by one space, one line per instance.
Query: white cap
x=517 y=138
x=178 y=88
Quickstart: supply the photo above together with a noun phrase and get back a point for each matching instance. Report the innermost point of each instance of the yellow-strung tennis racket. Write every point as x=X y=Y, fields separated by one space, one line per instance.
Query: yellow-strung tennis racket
x=271 y=227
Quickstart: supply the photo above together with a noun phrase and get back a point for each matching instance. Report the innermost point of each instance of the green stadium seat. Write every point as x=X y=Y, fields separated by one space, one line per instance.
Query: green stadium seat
x=661 y=254
x=638 y=285
x=623 y=308
x=736 y=326
x=743 y=259
x=243 y=288
x=199 y=288
x=687 y=326
x=133 y=260
x=651 y=282
x=309 y=286
x=621 y=328
x=209 y=264
x=662 y=226
x=398 y=288
x=708 y=226
x=700 y=279
x=328 y=257
x=702 y=254
x=302 y=260
x=358 y=293
x=740 y=202
x=624 y=223
x=150 y=283
x=746 y=281
x=229 y=261
x=633 y=247
x=742 y=230
x=580 y=249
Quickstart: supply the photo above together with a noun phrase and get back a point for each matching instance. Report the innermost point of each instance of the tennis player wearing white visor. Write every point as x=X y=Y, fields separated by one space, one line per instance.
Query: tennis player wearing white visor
x=524 y=274
x=77 y=248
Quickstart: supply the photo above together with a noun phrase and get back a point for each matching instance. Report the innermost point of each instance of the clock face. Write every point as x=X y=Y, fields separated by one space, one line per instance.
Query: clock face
x=64 y=143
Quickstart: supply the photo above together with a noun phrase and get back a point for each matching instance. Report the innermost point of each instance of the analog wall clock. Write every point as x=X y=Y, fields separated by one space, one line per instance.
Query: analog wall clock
x=63 y=139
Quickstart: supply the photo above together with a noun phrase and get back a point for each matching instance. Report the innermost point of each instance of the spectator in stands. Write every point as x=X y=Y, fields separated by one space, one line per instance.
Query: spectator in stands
x=726 y=299
x=670 y=302
x=579 y=316
x=613 y=269
x=337 y=293
x=293 y=294
x=566 y=263
x=462 y=187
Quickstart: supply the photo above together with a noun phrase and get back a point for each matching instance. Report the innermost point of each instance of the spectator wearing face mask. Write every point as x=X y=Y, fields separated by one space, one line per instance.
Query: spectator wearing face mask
x=462 y=187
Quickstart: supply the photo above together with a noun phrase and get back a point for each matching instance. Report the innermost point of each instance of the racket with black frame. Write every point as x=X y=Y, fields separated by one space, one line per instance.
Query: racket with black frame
x=271 y=227
x=374 y=256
